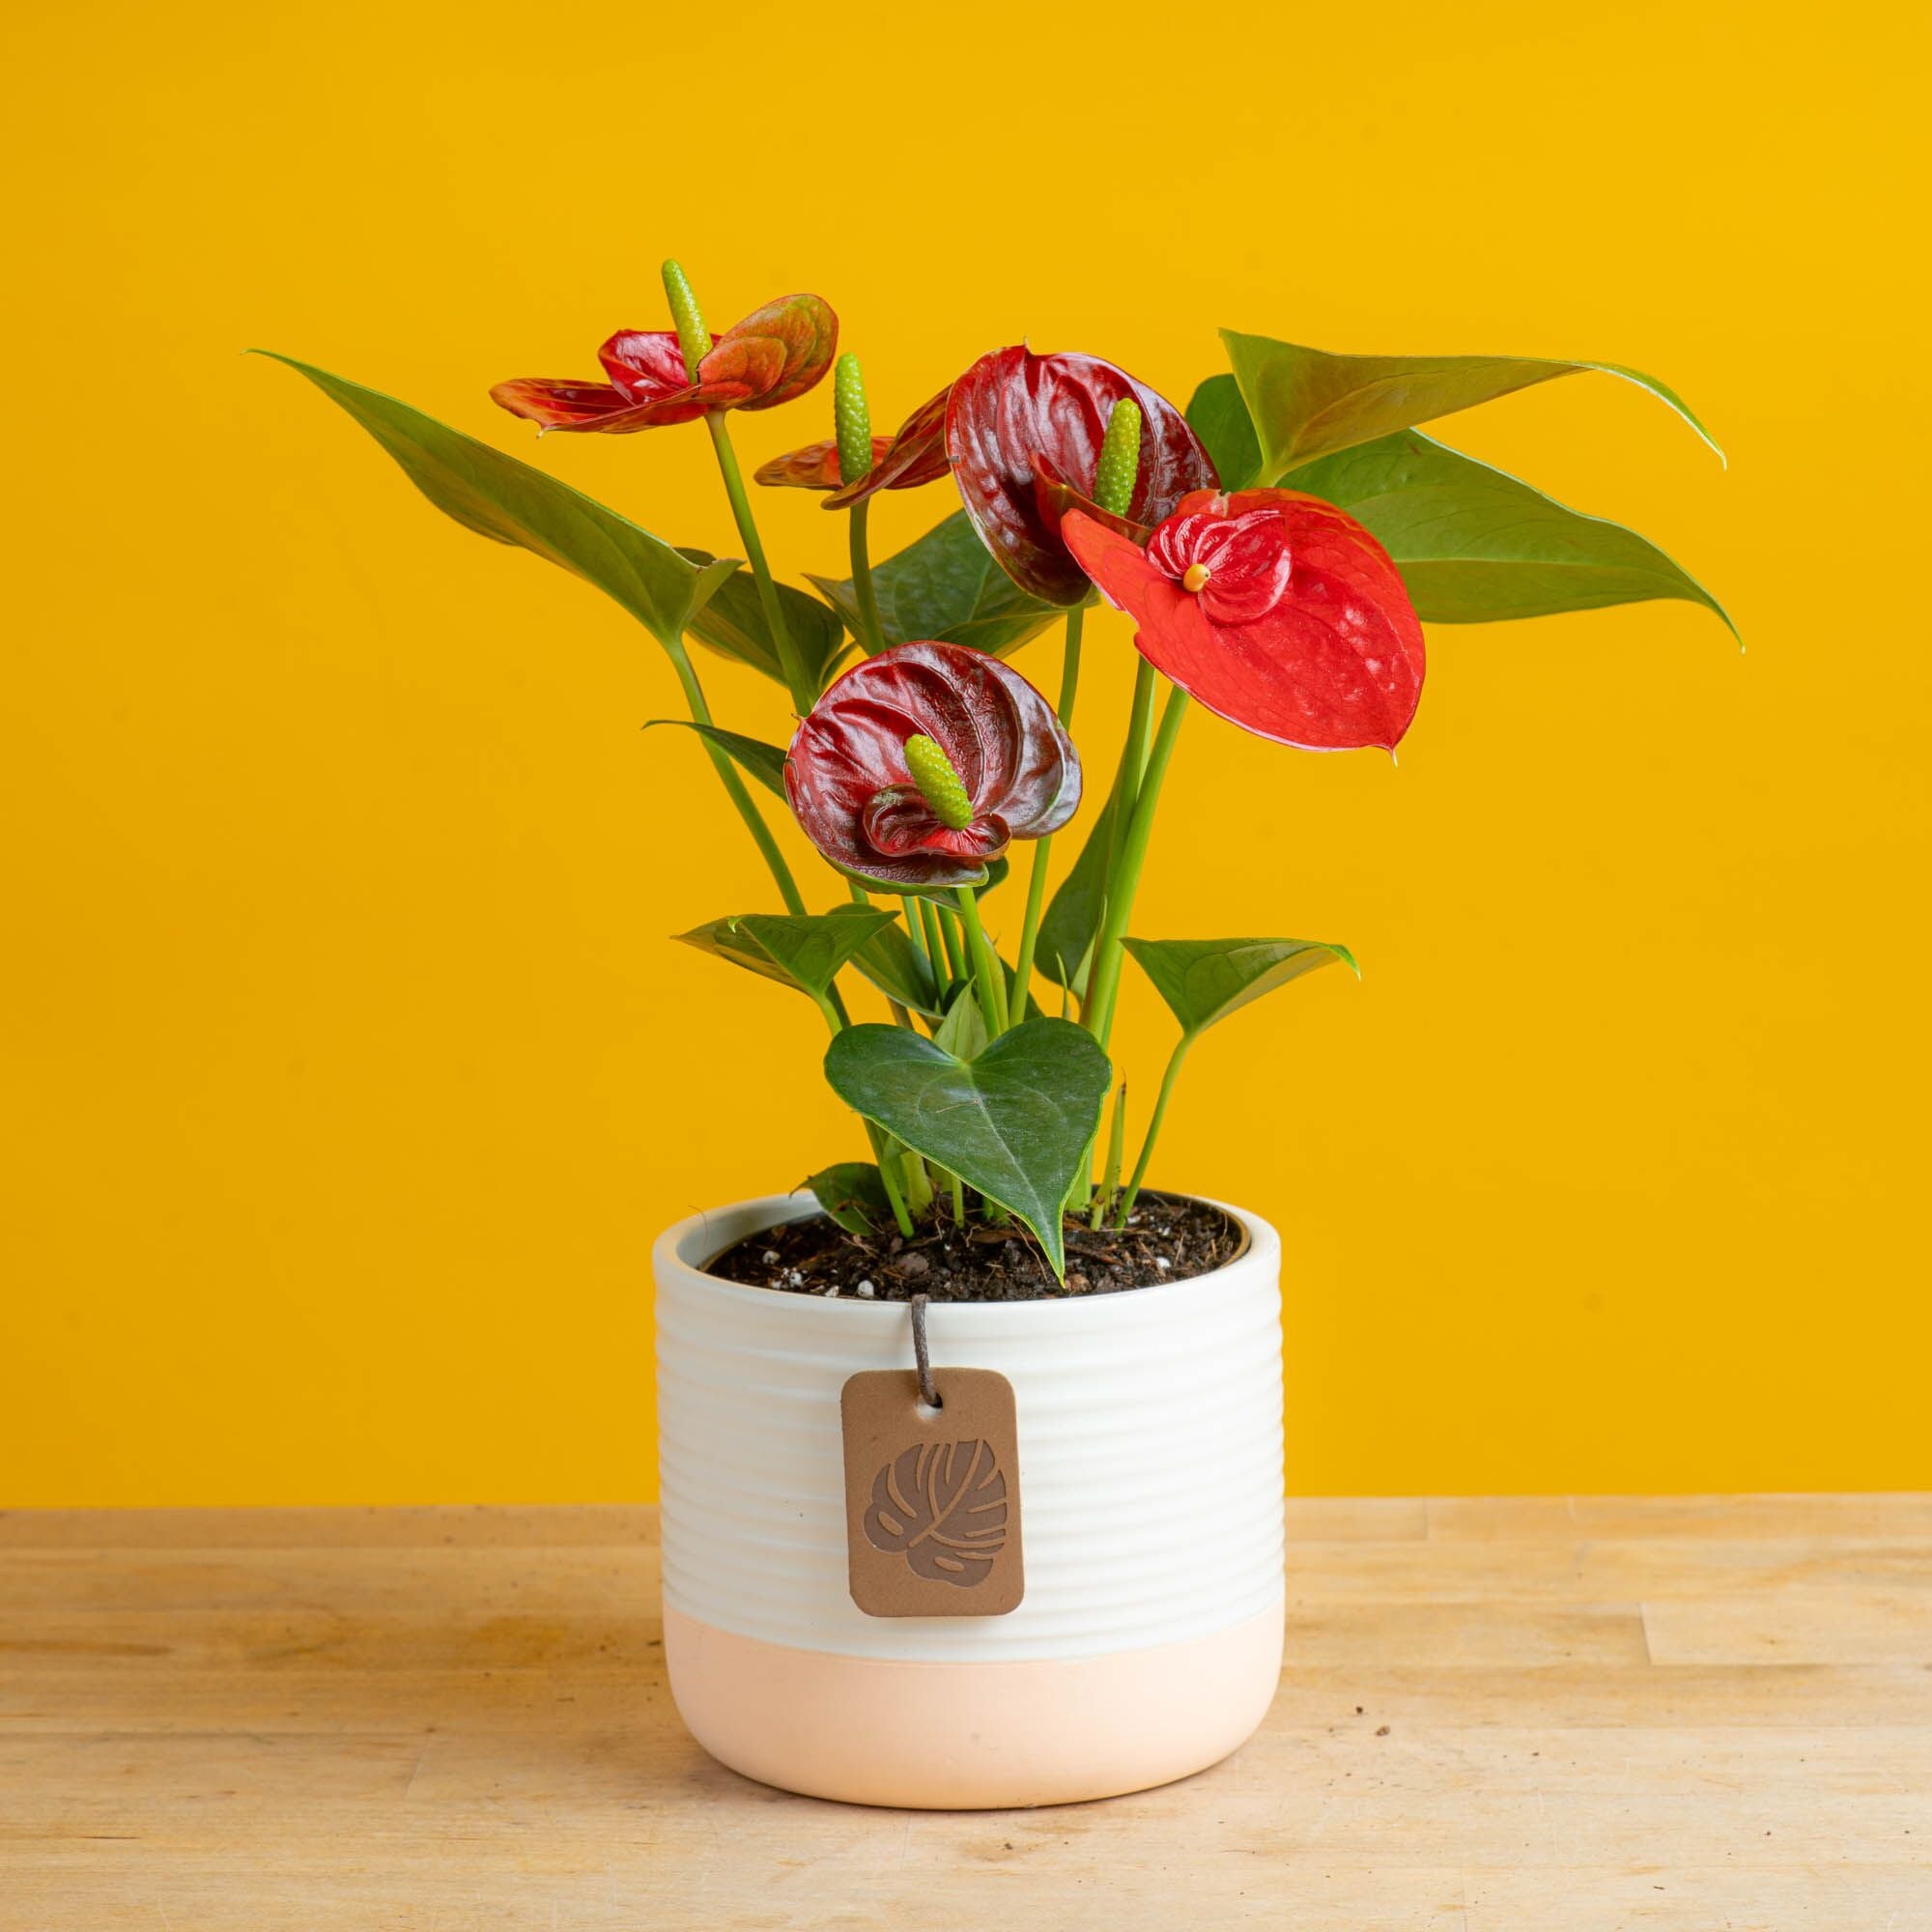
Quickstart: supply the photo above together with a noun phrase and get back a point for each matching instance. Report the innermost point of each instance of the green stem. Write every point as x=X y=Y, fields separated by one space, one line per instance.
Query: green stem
x=1036 y=905
x=959 y=1201
x=1116 y=1139
x=802 y=695
x=1133 y=762
x=986 y=968
x=871 y=633
x=948 y=927
x=1127 y=876
x=734 y=786
x=916 y=933
x=1167 y=1080
x=884 y=1152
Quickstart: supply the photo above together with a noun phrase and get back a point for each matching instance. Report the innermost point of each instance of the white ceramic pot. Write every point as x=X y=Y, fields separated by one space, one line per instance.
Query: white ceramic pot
x=1147 y=1644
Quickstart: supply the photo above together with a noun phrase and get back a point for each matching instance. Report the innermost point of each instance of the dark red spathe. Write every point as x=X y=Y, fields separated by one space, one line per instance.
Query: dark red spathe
x=853 y=791
x=1023 y=433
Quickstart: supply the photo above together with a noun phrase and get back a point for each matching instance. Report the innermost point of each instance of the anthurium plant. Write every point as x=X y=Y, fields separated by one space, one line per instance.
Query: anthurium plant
x=1278 y=546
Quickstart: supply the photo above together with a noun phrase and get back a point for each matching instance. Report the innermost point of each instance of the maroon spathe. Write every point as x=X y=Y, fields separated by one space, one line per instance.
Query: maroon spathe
x=853 y=790
x=1023 y=433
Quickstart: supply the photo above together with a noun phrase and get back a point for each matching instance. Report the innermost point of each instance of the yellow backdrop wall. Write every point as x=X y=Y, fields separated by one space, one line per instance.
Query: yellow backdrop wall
x=347 y=1070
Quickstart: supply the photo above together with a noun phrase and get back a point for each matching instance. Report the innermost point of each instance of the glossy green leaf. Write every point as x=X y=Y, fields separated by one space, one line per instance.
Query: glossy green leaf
x=765 y=762
x=946 y=586
x=1475 y=544
x=1306 y=403
x=962 y=1033
x=510 y=502
x=1013 y=1123
x=891 y=963
x=1073 y=914
x=1220 y=418
x=854 y=1195
x=733 y=625
x=1204 y=981
x=803 y=950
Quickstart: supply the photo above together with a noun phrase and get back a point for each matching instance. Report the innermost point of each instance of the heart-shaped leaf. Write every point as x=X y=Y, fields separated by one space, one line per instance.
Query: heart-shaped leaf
x=946 y=587
x=1015 y=1124
x=765 y=762
x=510 y=502
x=733 y=625
x=1306 y=403
x=802 y=949
x=1475 y=546
x=1220 y=418
x=854 y=1195
x=1206 y=979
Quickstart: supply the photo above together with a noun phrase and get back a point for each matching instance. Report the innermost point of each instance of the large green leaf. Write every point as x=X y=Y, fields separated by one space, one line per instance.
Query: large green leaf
x=1475 y=544
x=733 y=625
x=1220 y=418
x=1306 y=403
x=946 y=587
x=765 y=762
x=510 y=502
x=854 y=1195
x=1014 y=1122
x=1074 y=913
x=803 y=950
x=1204 y=981
x=891 y=962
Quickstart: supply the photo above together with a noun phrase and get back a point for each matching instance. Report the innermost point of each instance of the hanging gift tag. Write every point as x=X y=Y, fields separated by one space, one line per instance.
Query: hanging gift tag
x=932 y=1495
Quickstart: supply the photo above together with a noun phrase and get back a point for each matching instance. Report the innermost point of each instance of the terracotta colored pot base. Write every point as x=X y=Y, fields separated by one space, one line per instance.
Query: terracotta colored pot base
x=942 y=1737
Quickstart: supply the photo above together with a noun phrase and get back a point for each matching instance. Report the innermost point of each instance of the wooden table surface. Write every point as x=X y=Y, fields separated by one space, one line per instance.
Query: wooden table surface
x=1543 y=1714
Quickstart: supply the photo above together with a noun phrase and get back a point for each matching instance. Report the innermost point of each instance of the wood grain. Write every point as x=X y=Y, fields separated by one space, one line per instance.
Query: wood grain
x=1559 y=1715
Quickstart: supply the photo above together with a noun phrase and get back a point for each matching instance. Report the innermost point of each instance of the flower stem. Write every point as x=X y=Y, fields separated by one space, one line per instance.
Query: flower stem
x=986 y=968
x=885 y=1153
x=734 y=786
x=1126 y=873
x=1167 y=1080
x=802 y=695
x=871 y=633
x=916 y=932
x=1116 y=1138
x=1036 y=905
x=949 y=932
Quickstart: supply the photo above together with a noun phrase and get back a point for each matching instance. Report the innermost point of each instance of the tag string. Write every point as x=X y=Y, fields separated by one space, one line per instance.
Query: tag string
x=928 y=1391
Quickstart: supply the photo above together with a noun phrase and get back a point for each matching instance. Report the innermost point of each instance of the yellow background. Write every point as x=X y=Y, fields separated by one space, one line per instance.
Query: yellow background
x=348 y=1073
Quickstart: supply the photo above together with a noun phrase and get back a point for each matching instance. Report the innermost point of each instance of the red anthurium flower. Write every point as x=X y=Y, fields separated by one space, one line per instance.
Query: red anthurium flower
x=776 y=352
x=913 y=455
x=1023 y=433
x=922 y=763
x=1275 y=610
x=815 y=467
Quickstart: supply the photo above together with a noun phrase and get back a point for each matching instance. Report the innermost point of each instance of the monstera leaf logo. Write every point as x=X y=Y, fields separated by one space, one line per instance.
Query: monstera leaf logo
x=943 y=1506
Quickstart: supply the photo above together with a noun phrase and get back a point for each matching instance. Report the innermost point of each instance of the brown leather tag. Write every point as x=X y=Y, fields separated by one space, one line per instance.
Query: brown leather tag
x=932 y=1496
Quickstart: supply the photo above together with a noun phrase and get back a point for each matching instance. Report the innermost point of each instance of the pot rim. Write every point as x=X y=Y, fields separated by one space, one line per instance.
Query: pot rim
x=1260 y=1245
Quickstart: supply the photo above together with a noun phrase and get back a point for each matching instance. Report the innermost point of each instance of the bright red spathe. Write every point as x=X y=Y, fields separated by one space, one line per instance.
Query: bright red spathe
x=1276 y=610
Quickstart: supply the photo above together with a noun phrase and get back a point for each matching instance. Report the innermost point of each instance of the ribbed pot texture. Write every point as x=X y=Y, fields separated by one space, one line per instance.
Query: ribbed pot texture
x=1147 y=1644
